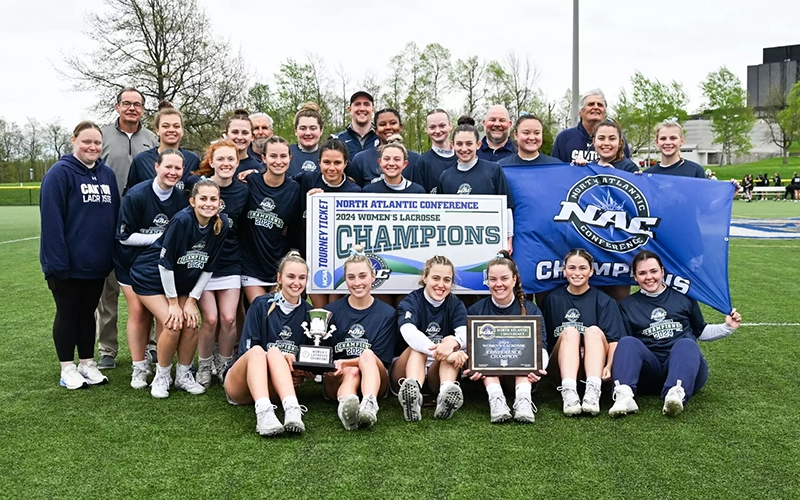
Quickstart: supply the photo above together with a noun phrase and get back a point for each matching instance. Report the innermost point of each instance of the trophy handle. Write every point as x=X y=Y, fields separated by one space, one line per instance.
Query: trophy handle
x=304 y=326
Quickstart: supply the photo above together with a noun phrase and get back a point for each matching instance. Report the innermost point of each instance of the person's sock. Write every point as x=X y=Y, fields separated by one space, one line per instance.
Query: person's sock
x=263 y=404
x=182 y=370
x=444 y=385
x=290 y=401
x=569 y=383
x=164 y=370
x=593 y=380
x=204 y=361
x=523 y=390
x=142 y=365
x=493 y=389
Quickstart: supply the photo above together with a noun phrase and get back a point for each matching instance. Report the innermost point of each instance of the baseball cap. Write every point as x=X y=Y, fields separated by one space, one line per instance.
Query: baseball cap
x=362 y=93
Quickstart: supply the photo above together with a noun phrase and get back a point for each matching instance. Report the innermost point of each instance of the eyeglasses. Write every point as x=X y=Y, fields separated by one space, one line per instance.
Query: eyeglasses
x=128 y=104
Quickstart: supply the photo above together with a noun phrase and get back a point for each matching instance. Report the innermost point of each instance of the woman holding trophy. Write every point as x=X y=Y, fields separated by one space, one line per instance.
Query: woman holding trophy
x=363 y=340
x=268 y=348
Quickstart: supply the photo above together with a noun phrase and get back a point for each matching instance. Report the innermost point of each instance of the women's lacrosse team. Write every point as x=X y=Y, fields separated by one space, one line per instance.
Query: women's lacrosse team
x=210 y=252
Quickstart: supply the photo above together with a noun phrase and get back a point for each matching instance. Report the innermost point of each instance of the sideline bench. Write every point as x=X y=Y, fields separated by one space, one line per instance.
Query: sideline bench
x=763 y=192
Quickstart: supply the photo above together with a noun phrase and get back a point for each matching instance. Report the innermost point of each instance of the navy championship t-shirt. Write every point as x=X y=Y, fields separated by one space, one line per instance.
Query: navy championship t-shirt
x=276 y=329
x=372 y=328
x=661 y=321
x=234 y=201
x=302 y=161
x=429 y=168
x=435 y=322
x=484 y=177
x=271 y=213
x=185 y=248
x=142 y=212
x=562 y=309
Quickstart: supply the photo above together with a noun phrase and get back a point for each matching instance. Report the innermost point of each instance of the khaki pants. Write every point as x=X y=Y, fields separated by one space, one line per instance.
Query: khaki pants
x=106 y=318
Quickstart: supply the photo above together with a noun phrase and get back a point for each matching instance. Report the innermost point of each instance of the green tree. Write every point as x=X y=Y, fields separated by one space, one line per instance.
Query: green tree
x=782 y=116
x=166 y=49
x=437 y=66
x=648 y=103
x=296 y=84
x=731 y=119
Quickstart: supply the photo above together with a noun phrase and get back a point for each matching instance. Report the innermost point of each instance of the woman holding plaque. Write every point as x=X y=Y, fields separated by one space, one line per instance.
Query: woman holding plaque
x=268 y=348
x=661 y=353
x=363 y=344
x=505 y=285
x=583 y=327
x=433 y=322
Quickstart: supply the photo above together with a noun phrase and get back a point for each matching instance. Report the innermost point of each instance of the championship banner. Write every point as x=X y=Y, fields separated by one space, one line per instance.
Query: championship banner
x=399 y=232
x=615 y=215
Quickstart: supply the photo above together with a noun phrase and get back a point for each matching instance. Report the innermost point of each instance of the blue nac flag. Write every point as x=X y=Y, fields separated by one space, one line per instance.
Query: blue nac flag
x=615 y=215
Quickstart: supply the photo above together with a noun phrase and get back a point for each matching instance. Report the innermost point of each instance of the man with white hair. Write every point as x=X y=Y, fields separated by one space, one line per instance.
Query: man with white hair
x=575 y=144
x=496 y=143
x=262 y=130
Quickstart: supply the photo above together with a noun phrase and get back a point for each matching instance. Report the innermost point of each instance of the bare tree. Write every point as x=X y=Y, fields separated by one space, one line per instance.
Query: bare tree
x=57 y=138
x=783 y=126
x=512 y=83
x=437 y=65
x=469 y=75
x=10 y=141
x=32 y=147
x=339 y=111
x=166 y=49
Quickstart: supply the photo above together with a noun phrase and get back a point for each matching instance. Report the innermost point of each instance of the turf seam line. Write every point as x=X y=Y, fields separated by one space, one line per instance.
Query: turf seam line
x=770 y=324
x=21 y=239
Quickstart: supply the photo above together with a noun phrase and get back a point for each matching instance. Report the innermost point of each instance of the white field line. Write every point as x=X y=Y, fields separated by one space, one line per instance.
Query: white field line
x=21 y=239
x=770 y=324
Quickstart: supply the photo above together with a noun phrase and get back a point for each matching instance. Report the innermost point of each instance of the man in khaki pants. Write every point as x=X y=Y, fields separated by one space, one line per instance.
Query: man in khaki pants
x=122 y=140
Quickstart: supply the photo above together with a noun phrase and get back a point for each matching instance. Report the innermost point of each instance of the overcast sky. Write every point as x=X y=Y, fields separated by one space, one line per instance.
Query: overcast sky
x=680 y=39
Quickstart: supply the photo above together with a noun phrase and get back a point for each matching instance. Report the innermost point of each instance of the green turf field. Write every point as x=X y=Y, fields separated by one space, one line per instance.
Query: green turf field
x=738 y=438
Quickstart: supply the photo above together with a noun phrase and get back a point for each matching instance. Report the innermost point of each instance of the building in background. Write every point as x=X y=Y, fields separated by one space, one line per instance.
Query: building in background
x=780 y=70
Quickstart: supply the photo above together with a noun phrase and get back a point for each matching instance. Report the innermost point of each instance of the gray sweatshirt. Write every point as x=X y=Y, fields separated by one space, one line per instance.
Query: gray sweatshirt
x=119 y=149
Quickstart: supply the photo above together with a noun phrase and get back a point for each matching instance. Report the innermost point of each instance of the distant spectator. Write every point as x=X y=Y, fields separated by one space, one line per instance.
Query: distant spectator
x=747 y=188
x=777 y=180
x=793 y=189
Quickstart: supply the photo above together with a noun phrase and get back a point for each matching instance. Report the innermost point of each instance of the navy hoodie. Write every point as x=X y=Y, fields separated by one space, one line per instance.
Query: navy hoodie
x=78 y=208
x=572 y=143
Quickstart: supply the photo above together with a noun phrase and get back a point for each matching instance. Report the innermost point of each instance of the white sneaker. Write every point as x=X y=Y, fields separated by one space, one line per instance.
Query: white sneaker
x=673 y=401
x=498 y=408
x=524 y=410
x=222 y=370
x=139 y=378
x=623 y=401
x=203 y=376
x=572 y=403
x=448 y=401
x=71 y=378
x=92 y=374
x=187 y=383
x=368 y=411
x=591 y=399
x=348 y=411
x=410 y=397
x=267 y=423
x=159 y=387
x=293 y=418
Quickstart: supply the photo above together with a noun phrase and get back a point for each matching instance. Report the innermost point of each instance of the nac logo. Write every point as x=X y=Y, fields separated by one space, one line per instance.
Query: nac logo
x=609 y=212
x=161 y=220
x=382 y=271
x=199 y=246
x=658 y=315
x=309 y=166
x=221 y=205
x=267 y=204
x=572 y=315
x=464 y=189
x=433 y=329
x=356 y=331
x=486 y=332
x=286 y=333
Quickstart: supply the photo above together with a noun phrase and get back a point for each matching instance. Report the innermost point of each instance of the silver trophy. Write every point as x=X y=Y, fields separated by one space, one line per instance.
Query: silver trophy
x=320 y=329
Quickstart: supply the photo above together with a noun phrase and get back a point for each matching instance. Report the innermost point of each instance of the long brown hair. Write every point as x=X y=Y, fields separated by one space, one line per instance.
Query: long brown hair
x=196 y=188
x=503 y=258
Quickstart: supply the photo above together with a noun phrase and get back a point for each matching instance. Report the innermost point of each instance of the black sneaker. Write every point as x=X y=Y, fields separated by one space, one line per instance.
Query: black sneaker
x=106 y=362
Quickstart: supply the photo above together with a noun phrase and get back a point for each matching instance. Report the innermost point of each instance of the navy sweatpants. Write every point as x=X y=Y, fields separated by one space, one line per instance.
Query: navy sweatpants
x=636 y=366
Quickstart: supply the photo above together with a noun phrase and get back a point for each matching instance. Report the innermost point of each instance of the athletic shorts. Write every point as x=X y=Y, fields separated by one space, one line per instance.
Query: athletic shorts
x=251 y=281
x=224 y=283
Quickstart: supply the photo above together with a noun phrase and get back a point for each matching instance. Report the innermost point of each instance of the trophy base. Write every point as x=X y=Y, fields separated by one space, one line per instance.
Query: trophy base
x=314 y=368
x=315 y=359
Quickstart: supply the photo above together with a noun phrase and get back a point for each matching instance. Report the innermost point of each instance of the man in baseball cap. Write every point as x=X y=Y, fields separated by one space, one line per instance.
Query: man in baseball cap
x=360 y=133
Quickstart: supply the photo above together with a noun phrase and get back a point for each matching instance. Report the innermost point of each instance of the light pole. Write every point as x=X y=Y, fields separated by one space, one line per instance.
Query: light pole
x=575 y=65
